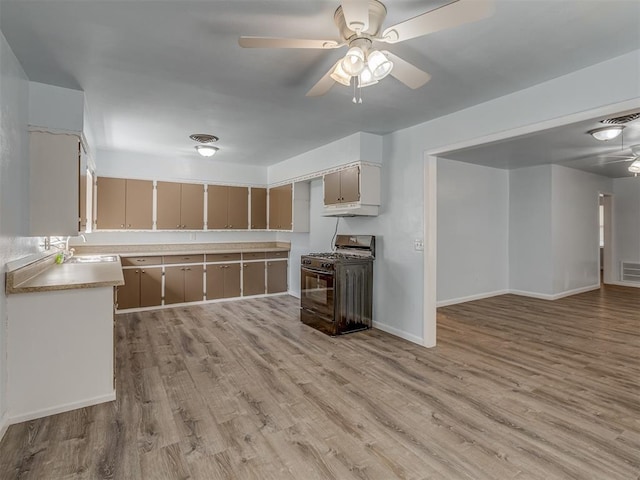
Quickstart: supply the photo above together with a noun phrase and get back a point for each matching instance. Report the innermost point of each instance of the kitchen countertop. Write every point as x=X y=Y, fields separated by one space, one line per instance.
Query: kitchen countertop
x=52 y=276
x=182 y=249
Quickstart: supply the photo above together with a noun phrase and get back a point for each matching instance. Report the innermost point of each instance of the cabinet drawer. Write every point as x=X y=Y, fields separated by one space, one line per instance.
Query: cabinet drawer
x=277 y=254
x=168 y=259
x=138 y=261
x=253 y=256
x=222 y=257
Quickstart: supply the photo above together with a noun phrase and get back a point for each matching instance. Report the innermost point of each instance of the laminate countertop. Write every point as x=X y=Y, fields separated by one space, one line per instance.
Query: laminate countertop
x=52 y=276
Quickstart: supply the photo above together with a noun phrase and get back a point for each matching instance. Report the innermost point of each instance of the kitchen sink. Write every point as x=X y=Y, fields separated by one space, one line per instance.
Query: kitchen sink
x=92 y=259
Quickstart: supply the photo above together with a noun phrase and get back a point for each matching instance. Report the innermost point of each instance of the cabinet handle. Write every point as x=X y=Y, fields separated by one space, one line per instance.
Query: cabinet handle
x=122 y=225
x=140 y=260
x=177 y=226
x=230 y=226
x=129 y=226
x=142 y=271
x=188 y=269
x=184 y=226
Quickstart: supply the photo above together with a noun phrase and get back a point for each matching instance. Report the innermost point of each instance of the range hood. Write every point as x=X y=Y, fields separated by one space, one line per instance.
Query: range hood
x=356 y=209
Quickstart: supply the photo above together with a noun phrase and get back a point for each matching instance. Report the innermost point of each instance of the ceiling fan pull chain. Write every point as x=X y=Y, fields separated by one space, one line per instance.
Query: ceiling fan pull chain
x=354 y=93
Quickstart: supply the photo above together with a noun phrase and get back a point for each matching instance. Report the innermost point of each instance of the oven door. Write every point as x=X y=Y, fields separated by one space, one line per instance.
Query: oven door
x=317 y=292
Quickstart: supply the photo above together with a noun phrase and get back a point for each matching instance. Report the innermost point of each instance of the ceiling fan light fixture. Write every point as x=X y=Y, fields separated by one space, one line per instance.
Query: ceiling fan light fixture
x=340 y=76
x=635 y=166
x=379 y=65
x=606 y=133
x=365 y=79
x=353 y=61
x=206 y=150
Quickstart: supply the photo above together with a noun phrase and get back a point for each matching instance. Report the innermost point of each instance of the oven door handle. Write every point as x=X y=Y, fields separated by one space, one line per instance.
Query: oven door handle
x=313 y=270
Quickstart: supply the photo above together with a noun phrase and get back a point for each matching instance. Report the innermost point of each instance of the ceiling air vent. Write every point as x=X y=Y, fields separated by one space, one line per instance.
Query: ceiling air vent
x=620 y=120
x=203 y=138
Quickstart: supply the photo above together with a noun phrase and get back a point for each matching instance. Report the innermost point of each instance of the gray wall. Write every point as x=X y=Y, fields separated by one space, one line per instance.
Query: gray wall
x=530 y=235
x=575 y=228
x=14 y=187
x=473 y=231
x=626 y=213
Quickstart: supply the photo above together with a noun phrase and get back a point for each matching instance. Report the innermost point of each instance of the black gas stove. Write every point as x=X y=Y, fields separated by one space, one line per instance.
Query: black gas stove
x=336 y=287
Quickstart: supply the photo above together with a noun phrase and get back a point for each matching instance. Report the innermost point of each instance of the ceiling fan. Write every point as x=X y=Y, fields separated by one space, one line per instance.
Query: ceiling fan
x=360 y=27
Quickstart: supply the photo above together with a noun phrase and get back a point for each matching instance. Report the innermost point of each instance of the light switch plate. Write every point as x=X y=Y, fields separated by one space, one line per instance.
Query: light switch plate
x=419 y=244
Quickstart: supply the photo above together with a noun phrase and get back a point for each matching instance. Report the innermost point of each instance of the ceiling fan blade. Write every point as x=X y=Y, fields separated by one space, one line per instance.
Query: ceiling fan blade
x=324 y=84
x=356 y=14
x=272 y=42
x=407 y=73
x=451 y=15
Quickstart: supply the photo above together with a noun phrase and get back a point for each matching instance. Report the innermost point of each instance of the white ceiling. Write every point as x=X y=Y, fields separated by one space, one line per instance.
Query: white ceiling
x=156 y=71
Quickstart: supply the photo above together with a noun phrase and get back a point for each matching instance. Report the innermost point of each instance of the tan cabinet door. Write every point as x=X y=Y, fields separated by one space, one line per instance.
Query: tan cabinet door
x=350 y=185
x=217 y=207
x=169 y=194
x=253 y=279
x=280 y=207
x=232 y=280
x=129 y=293
x=332 y=193
x=238 y=212
x=139 y=204
x=192 y=206
x=150 y=287
x=215 y=281
x=258 y=208
x=274 y=208
x=111 y=203
x=193 y=283
x=173 y=285
x=276 y=277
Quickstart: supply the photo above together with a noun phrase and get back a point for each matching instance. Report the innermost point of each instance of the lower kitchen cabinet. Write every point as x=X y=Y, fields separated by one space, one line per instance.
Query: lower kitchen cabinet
x=252 y=279
x=223 y=280
x=183 y=284
x=276 y=276
x=142 y=288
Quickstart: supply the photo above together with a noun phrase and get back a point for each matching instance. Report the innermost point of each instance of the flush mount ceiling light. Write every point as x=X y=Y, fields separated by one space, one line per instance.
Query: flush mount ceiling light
x=606 y=133
x=206 y=150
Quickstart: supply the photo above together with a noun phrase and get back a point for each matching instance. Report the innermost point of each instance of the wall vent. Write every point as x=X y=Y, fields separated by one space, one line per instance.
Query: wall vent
x=630 y=272
x=620 y=120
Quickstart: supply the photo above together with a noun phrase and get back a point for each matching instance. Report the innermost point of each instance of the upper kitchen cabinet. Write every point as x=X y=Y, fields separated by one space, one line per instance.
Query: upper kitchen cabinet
x=258 y=208
x=54 y=183
x=351 y=191
x=124 y=204
x=289 y=207
x=227 y=207
x=180 y=206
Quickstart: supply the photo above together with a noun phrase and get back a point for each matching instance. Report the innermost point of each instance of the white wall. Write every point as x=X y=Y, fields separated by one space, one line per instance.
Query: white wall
x=626 y=215
x=473 y=231
x=575 y=228
x=530 y=234
x=14 y=188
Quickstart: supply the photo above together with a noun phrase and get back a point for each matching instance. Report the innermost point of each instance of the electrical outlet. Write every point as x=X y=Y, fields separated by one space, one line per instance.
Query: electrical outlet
x=418 y=244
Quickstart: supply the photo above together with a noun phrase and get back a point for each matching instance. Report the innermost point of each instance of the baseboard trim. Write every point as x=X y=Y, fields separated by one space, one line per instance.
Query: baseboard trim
x=45 y=412
x=555 y=296
x=398 y=333
x=294 y=294
x=4 y=425
x=623 y=284
x=470 y=298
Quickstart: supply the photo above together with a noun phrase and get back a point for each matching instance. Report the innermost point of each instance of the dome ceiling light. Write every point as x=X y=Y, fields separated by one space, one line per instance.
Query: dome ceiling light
x=605 y=134
x=204 y=139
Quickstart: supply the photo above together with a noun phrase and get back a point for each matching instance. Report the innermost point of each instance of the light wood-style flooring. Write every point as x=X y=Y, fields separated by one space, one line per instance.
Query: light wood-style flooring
x=517 y=388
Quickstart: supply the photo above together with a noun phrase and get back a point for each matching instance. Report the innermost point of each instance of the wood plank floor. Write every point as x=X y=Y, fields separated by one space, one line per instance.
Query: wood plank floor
x=517 y=389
